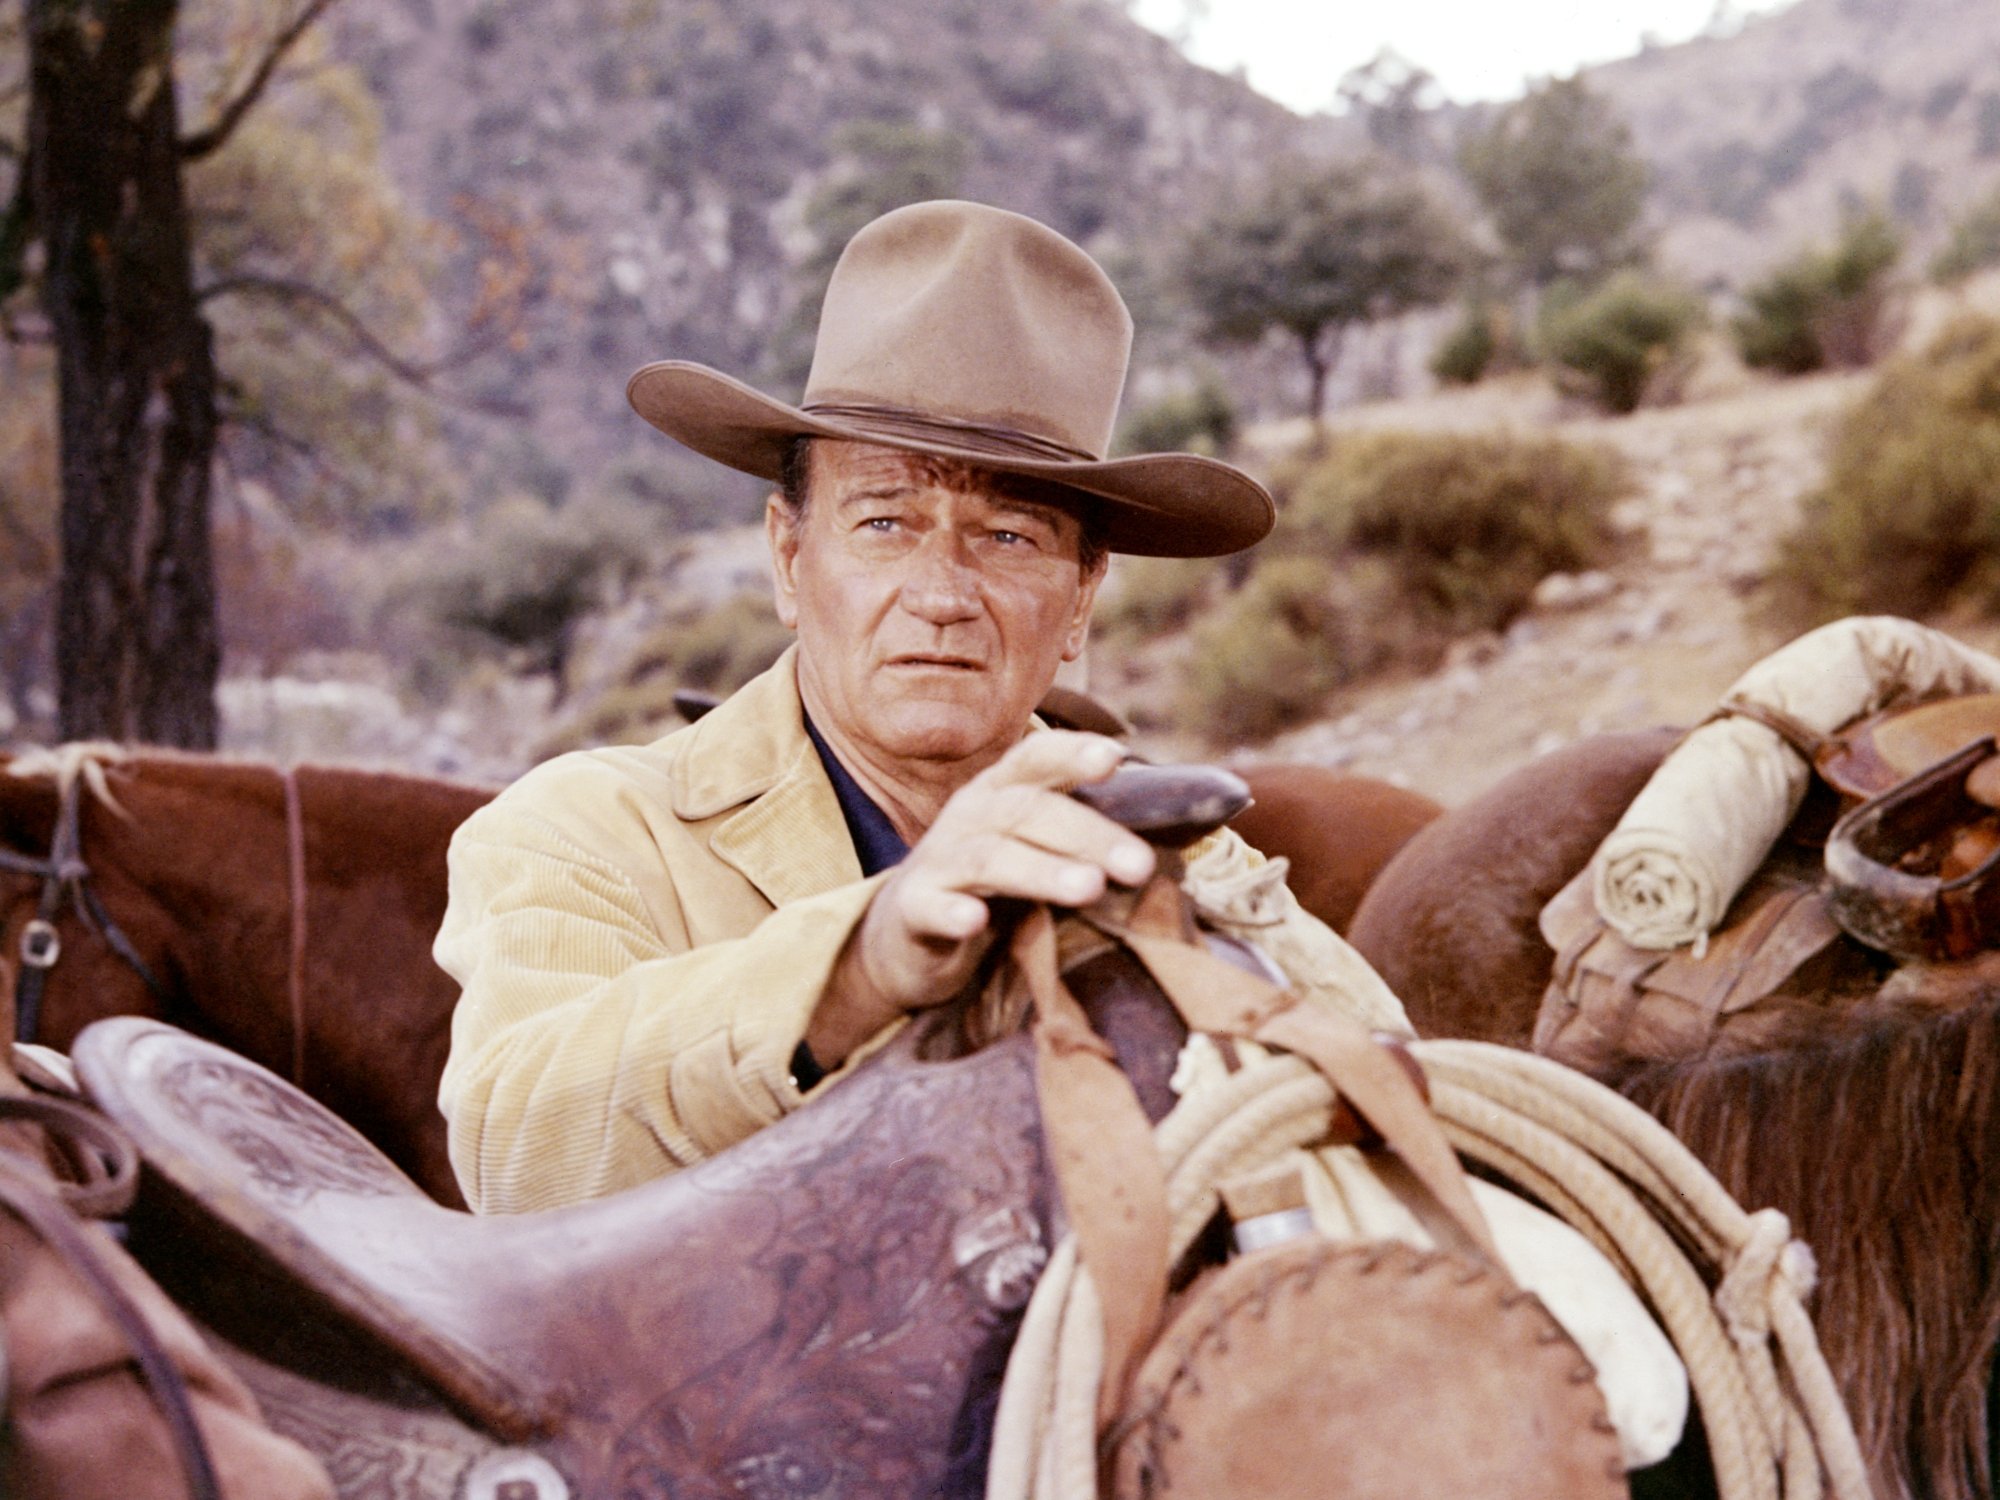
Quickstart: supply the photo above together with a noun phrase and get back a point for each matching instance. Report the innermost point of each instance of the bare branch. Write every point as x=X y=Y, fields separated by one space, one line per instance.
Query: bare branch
x=211 y=139
x=290 y=444
x=304 y=293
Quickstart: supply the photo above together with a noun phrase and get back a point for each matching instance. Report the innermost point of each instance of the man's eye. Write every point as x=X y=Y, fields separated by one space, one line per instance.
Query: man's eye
x=1012 y=538
x=881 y=524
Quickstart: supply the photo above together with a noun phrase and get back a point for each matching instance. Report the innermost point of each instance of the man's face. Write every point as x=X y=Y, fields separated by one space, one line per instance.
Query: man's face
x=933 y=601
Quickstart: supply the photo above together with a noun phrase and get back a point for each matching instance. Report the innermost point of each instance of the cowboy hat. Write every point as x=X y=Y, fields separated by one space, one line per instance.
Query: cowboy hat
x=971 y=333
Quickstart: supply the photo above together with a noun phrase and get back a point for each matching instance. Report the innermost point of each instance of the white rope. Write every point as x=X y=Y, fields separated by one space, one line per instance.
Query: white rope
x=1776 y=1426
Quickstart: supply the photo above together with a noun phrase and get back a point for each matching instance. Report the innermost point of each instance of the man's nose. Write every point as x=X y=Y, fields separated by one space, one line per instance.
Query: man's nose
x=942 y=584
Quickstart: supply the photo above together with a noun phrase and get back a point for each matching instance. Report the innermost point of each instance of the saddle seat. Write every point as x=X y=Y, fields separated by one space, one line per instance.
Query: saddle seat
x=834 y=1296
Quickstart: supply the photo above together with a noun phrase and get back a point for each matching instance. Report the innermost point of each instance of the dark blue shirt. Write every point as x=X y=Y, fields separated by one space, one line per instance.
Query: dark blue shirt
x=875 y=838
x=877 y=844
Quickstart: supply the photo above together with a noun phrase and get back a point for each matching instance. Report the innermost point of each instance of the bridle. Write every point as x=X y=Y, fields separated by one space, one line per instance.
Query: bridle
x=65 y=878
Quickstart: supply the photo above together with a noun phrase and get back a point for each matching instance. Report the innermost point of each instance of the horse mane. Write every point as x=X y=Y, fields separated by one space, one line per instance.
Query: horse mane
x=1883 y=1144
x=79 y=760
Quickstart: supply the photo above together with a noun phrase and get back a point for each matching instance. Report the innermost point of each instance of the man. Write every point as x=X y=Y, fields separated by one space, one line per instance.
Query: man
x=662 y=948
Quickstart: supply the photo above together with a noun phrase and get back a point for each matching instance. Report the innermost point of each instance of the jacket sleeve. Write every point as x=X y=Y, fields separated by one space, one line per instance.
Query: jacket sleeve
x=593 y=1048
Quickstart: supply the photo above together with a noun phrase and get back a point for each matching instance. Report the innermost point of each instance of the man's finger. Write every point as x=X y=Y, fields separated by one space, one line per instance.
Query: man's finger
x=1008 y=867
x=1061 y=825
x=1058 y=758
x=939 y=912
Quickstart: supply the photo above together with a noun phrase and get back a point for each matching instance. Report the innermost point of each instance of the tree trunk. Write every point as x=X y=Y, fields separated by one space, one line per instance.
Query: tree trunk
x=137 y=645
x=1321 y=347
x=1317 y=366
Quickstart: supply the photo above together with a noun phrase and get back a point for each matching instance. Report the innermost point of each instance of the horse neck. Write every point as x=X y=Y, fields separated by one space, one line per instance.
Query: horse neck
x=379 y=821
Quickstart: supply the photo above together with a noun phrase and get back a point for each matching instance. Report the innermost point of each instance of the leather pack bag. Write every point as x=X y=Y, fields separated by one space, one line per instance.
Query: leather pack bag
x=1609 y=1003
x=109 y=1392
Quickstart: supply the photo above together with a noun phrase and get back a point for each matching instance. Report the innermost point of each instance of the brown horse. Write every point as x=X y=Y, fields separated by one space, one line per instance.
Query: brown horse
x=286 y=914
x=1876 y=1132
x=1337 y=830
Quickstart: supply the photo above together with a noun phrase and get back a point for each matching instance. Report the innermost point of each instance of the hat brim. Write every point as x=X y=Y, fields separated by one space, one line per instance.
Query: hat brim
x=1152 y=505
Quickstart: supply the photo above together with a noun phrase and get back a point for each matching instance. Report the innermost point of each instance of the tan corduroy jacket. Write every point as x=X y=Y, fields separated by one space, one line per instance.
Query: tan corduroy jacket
x=641 y=934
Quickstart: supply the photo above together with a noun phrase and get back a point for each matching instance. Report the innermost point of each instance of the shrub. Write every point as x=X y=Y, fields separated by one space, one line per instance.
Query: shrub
x=521 y=583
x=1618 y=337
x=1467 y=524
x=1908 y=517
x=1147 y=597
x=1973 y=244
x=1825 y=308
x=1464 y=355
x=1201 y=419
x=1271 y=655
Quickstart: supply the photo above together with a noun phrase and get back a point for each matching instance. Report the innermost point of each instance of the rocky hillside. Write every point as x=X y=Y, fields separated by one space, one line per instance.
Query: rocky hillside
x=1760 y=140
x=685 y=169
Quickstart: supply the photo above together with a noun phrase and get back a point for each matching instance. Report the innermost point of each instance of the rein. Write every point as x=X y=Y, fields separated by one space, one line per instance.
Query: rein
x=295 y=879
x=65 y=878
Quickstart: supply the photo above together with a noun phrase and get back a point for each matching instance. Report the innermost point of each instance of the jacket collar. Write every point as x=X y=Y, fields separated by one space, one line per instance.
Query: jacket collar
x=751 y=752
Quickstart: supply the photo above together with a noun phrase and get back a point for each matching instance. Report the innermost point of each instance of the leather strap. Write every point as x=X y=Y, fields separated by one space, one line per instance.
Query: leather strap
x=102 y=1156
x=62 y=874
x=1101 y=1146
x=109 y=1165
x=295 y=880
x=1215 y=996
x=1808 y=741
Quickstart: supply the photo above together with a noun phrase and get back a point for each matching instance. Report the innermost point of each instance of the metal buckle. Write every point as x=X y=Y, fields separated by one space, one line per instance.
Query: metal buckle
x=41 y=944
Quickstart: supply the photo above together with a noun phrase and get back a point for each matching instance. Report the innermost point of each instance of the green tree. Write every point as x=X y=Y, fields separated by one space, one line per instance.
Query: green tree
x=1559 y=177
x=529 y=574
x=1317 y=250
x=1398 y=104
x=1973 y=244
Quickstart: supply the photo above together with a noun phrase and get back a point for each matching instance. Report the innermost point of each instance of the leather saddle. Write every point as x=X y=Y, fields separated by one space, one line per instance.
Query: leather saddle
x=1897 y=847
x=828 y=1304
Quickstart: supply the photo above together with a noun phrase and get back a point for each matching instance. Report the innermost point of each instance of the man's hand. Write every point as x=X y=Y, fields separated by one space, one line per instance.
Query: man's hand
x=1010 y=832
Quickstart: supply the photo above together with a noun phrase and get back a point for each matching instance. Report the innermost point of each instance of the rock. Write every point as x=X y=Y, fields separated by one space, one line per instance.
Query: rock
x=1573 y=590
x=1473 y=651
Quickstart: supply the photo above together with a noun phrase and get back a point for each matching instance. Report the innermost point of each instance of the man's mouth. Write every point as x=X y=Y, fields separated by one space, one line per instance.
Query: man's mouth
x=936 y=662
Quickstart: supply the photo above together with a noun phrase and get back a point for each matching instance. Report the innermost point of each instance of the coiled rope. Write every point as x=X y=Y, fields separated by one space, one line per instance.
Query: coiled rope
x=1728 y=1286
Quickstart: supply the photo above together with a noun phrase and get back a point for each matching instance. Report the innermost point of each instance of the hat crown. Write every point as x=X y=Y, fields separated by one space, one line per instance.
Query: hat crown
x=977 y=316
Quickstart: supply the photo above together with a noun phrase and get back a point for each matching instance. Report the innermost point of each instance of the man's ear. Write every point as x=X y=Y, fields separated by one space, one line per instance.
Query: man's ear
x=781 y=531
x=1086 y=595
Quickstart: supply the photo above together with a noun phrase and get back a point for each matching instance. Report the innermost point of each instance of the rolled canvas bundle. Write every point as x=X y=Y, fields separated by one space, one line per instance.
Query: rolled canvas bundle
x=1694 y=836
